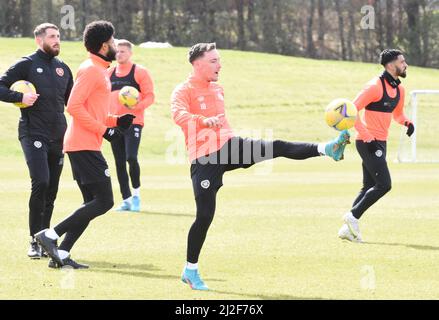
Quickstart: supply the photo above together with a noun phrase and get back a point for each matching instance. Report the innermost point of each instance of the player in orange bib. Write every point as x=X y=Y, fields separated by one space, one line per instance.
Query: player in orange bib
x=89 y=108
x=382 y=99
x=198 y=108
x=126 y=73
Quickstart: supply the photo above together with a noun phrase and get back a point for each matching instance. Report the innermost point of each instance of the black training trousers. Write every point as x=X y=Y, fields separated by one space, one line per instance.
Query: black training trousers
x=207 y=173
x=45 y=160
x=98 y=199
x=126 y=150
x=376 y=177
x=90 y=170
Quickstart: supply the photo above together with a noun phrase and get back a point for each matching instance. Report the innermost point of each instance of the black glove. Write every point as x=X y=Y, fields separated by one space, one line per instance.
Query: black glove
x=410 y=128
x=125 y=121
x=373 y=146
x=112 y=134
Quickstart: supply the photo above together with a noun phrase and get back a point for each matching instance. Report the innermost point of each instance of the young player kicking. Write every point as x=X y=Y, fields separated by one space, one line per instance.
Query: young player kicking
x=198 y=108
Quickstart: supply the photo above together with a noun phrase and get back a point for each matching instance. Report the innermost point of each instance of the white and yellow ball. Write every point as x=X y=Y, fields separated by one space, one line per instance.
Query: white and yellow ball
x=129 y=97
x=341 y=114
x=23 y=86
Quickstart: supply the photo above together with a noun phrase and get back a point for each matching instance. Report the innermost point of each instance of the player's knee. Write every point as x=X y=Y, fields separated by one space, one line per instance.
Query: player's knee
x=109 y=203
x=385 y=187
x=40 y=185
x=278 y=148
x=204 y=220
x=132 y=160
x=106 y=203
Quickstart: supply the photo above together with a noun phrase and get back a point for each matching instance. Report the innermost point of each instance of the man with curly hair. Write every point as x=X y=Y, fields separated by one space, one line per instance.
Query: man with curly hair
x=89 y=107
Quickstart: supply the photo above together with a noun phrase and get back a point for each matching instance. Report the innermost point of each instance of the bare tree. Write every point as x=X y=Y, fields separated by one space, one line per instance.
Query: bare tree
x=85 y=13
x=49 y=11
x=389 y=23
x=379 y=24
x=352 y=36
x=251 y=22
x=310 y=49
x=26 y=17
x=321 y=29
x=241 y=32
x=269 y=28
x=341 y=29
x=414 y=40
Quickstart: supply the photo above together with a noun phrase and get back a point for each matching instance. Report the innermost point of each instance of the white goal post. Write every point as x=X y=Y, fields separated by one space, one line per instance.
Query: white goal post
x=412 y=157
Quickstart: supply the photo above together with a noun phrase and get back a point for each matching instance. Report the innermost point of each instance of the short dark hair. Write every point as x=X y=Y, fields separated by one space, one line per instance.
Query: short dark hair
x=97 y=33
x=199 y=49
x=389 y=55
x=41 y=29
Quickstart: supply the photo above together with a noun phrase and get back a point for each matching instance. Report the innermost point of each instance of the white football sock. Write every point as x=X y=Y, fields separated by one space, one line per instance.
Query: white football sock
x=192 y=266
x=351 y=216
x=136 y=192
x=321 y=148
x=63 y=254
x=127 y=200
x=51 y=234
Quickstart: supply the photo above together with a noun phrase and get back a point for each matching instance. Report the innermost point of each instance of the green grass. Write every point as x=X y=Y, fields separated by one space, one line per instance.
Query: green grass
x=274 y=235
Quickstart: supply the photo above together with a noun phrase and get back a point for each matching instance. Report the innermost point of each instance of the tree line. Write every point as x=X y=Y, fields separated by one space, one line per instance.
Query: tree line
x=323 y=29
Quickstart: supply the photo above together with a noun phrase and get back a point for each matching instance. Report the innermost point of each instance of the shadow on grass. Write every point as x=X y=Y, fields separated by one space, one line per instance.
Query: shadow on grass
x=133 y=270
x=151 y=213
x=411 y=246
x=266 y=297
x=115 y=265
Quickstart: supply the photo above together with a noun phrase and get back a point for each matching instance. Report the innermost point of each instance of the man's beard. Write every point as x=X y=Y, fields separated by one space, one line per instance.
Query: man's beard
x=401 y=73
x=51 y=51
x=111 y=54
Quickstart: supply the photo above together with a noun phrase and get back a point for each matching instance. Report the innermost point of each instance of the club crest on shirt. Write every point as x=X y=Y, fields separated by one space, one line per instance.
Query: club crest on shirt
x=60 y=71
x=205 y=184
x=203 y=106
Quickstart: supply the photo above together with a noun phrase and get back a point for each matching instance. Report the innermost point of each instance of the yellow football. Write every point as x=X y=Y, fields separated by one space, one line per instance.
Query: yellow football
x=129 y=97
x=23 y=86
x=341 y=114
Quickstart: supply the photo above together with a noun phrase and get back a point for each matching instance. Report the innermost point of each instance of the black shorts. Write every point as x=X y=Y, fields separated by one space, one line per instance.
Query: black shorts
x=89 y=166
x=207 y=172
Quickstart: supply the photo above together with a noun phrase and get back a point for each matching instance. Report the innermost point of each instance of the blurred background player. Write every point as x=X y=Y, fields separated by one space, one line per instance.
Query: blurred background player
x=197 y=106
x=89 y=107
x=42 y=125
x=383 y=99
x=126 y=73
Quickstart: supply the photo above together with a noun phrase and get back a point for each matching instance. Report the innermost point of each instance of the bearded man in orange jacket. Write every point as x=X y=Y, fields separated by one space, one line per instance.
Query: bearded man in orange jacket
x=382 y=100
x=89 y=107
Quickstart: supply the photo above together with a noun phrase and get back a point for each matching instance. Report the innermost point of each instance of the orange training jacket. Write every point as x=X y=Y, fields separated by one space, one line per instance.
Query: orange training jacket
x=191 y=103
x=375 y=124
x=89 y=107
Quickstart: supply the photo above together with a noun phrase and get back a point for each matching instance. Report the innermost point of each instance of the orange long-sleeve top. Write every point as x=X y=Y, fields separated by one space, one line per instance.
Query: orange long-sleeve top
x=191 y=103
x=144 y=80
x=375 y=124
x=89 y=107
